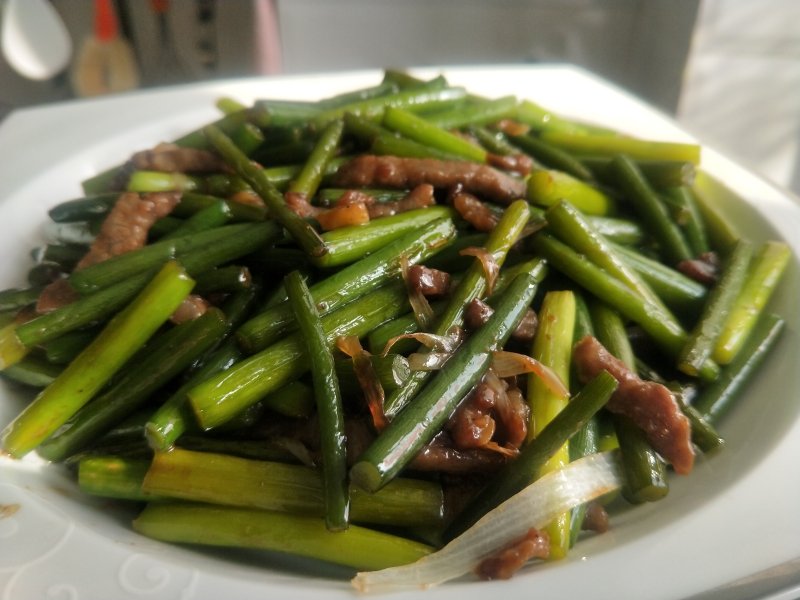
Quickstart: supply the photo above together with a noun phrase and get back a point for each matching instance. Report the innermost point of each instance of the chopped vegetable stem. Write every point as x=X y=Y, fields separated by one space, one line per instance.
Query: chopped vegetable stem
x=585 y=143
x=330 y=414
x=218 y=399
x=416 y=243
x=428 y=133
x=304 y=234
x=228 y=480
x=552 y=346
x=761 y=280
x=699 y=346
x=167 y=355
x=308 y=179
x=355 y=547
x=92 y=369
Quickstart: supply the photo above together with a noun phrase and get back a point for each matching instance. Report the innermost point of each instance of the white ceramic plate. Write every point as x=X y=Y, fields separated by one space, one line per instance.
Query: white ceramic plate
x=736 y=516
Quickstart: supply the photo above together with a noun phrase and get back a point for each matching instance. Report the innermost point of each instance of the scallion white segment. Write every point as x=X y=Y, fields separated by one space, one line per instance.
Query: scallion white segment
x=535 y=506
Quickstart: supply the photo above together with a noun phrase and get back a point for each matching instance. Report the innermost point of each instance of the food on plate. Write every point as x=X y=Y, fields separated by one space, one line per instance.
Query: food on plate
x=406 y=329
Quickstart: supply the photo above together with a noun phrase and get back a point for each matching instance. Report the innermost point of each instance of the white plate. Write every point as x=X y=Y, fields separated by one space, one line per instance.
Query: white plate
x=735 y=516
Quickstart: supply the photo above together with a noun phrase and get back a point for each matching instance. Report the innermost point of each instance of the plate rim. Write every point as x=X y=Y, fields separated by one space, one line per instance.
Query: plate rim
x=20 y=121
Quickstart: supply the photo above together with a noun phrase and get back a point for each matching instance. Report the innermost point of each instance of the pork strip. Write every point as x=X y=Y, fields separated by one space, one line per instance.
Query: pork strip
x=510 y=559
x=397 y=172
x=472 y=425
x=430 y=282
x=440 y=455
x=650 y=405
x=493 y=417
x=703 y=269
x=474 y=212
x=478 y=312
x=125 y=228
x=596 y=518
x=127 y=225
x=300 y=205
x=55 y=295
x=516 y=163
x=170 y=158
x=192 y=307
x=419 y=197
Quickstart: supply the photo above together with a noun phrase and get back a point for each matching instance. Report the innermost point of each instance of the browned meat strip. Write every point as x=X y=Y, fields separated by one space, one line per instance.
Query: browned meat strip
x=648 y=404
x=55 y=295
x=354 y=197
x=192 y=307
x=596 y=518
x=472 y=425
x=511 y=127
x=431 y=282
x=419 y=197
x=507 y=561
x=127 y=225
x=248 y=198
x=527 y=326
x=516 y=163
x=359 y=434
x=124 y=229
x=478 y=312
x=119 y=182
x=174 y=159
x=440 y=456
x=513 y=416
x=300 y=205
x=474 y=212
x=494 y=417
x=703 y=269
x=397 y=172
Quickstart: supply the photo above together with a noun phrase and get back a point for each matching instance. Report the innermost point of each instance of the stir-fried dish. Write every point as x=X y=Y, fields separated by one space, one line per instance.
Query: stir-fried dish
x=409 y=330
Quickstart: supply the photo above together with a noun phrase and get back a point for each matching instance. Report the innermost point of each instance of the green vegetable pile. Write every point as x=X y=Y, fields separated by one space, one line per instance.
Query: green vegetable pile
x=237 y=426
